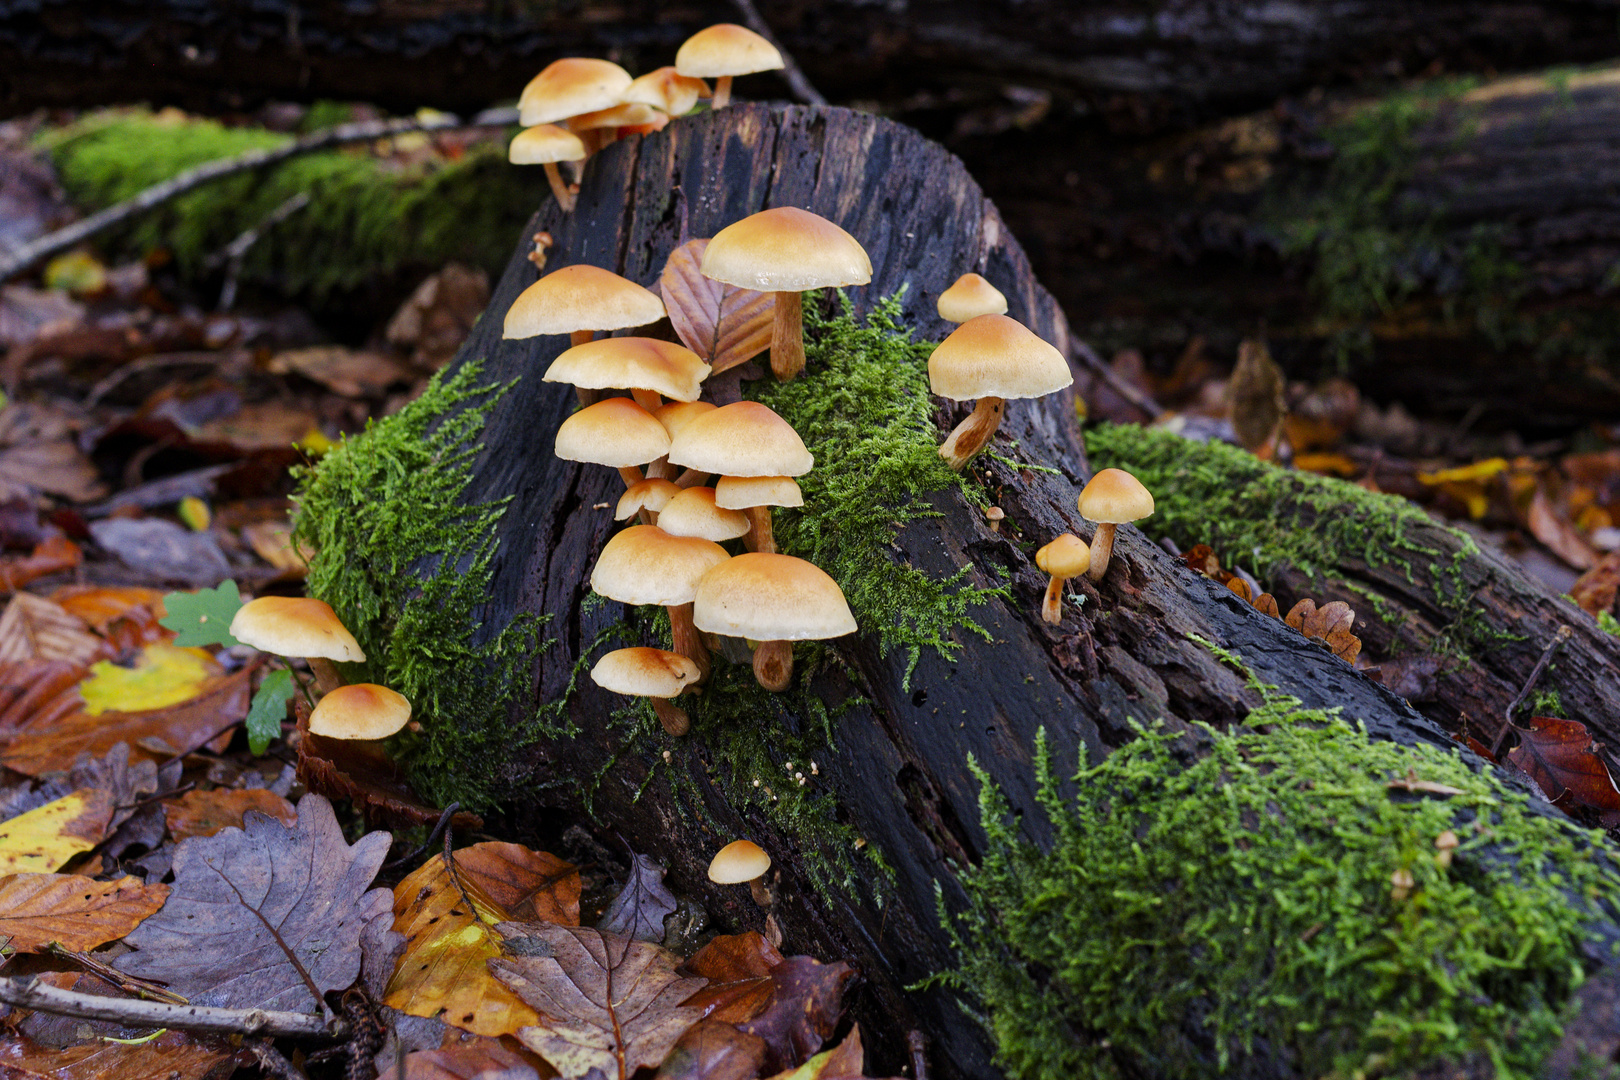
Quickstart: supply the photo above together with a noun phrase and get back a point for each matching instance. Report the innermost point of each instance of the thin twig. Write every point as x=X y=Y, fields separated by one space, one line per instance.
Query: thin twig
x=918 y=1045
x=433 y=838
x=26 y=993
x=235 y=253
x=1115 y=383
x=125 y=982
x=1563 y=635
x=790 y=70
x=273 y=1062
x=159 y=797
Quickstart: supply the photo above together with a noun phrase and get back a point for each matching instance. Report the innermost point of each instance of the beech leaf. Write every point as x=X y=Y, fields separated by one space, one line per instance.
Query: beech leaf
x=74 y=911
x=47 y=838
x=1560 y=756
x=723 y=324
x=642 y=905
x=32 y=627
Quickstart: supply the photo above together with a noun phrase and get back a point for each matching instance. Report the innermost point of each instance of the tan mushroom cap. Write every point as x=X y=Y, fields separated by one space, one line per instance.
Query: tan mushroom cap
x=295 y=626
x=644 y=672
x=624 y=114
x=1066 y=557
x=726 y=49
x=970 y=297
x=569 y=87
x=360 y=711
x=1114 y=497
x=994 y=356
x=692 y=512
x=645 y=565
x=786 y=249
x=544 y=144
x=675 y=415
x=667 y=89
x=581 y=298
x=742 y=492
x=650 y=494
x=770 y=597
x=615 y=432
x=738 y=862
x=744 y=438
x=624 y=363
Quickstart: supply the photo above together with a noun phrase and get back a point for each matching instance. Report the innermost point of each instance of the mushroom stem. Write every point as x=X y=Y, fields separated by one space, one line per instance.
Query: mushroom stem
x=660 y=469
x=580 y=337
x=647 y=399
x=761 y=895
x=586 y=397
x=722 y=93
x=674 y=719
x=1102 y=546
x=787 y=336
x=1052 y=606
x=759 y=536
x=773 y=665
x=971 y=435
x=564 y=197
x=686 y=640
x=326 y=674
x=631 y=475
x=691 y=478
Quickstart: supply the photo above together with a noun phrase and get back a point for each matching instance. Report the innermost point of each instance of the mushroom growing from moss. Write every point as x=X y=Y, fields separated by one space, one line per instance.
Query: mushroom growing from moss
x=1112 y=498
x=743 y=439
x=1064 y=558
x=991 y=358
x=655 y=674
x=547 y=144
x=786 y=251
x=774 y=600
x=645 y=565
x=578 y=301
x=362 y=711
x=723 y=51
x=617 y=433
x=968 y=298
x=742 y=861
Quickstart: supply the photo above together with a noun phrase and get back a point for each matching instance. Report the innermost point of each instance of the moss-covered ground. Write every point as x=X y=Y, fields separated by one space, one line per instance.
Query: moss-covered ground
x=1214 y=895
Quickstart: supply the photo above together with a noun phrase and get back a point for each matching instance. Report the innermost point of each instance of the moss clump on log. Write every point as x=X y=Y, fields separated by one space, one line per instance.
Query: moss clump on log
x=1189 y=916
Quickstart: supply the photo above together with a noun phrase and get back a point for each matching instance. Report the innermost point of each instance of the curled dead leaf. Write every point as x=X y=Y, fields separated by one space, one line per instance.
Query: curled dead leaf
x=724 y=324
x=1561 y=757
x=1330 y=624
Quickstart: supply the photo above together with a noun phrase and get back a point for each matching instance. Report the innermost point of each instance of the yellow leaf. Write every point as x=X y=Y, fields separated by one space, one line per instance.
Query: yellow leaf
x=76 y=272
x=163 y=675
x=1332 y=464
x=1462 y=474
x=47 y=838
x=194 y=512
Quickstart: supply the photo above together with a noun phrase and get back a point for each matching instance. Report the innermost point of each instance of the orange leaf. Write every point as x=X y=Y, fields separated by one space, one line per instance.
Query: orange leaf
x=1559 y=535
x=80 y=914
x=723 y=324
x=102 y=606
x=171 y=1056
x=1560 y=756
x=51 y=555
x=204 y=813
x=528 y=886
x=1266 y=604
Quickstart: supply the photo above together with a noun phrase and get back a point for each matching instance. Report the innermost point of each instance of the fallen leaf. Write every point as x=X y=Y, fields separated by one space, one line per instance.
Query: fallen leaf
x=25 y=311
x=203 y=617
x=730 y=957
x=734 y=1002
x=342 y=371
x=439 y=315
x=710 y=1050
x=38 y=692
x=366 y=776
x=1595 y=590
x=724 y=324
x=1410 y=782
x=162 y=675
x=1327 y=464
x=54 y=467
x=50 y=556
x=46 y=839
x=1329 y=624
x=847 y=1059
x=204 y=813
x=642 y=905
x=478 y=1058
x=272 y=541
x=1560 y=756
x=102 y=606
x=171 y=1056
x=1255 y=396
x=529 y=886
x=262 y=425
x=75 y=912
x=1266 y=604
x=809 y=1001
x=35 y=628
x=606 y=1003
x=1558 y=535
x=213 y=940
x=162 y=550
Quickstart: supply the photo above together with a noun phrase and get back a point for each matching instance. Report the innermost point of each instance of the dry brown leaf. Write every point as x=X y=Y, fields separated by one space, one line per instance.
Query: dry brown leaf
x=730 y=957
x=102 y=606
x=1595 y=590
x=1559 y=536
x=51 y=555
x=527 y=885
x=38 y=692
x=204 y=813
x=1256 y=395
x=264 y=425
x=475 y=1058
x=723 y=324
x=171 y=1056
x=55 y=467
x=1240 y=587
x=711 y=1050
x=342 y=371
x=32 y=627
x=272 y=541
x=1266 y=604
x=1561 y=757
x=77 y=913
x=1330 y=624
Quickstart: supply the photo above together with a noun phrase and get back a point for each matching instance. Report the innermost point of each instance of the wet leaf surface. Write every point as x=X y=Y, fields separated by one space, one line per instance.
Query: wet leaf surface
x=1560 y=756
x=809 y=1000
x=710 y=1050
x=46 y=839
x=528 y=885
x=171 y=1056
x=78 y=913
x=476 y=1058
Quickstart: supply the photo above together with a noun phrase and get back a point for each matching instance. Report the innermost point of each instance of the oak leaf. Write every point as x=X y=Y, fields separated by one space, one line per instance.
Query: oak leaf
x=45 y=839
x=846 y=1060
x=642 y=905
x=723 y=324
x=1560 y=756
x=72 y=910
x=204 y=813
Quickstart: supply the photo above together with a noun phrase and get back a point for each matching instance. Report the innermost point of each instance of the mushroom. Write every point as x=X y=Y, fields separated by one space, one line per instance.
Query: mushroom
x=675 y=415
x=1064 y=558
x=570 y=87
x=615 y=432
x=756 y=495
x=786 y=251
x=1112 y=498
x=361 y=711
x=578 y=301
x=547 y=144
x=646 y=367
x=995 y=515
x=693 y=512
x=969 y=297
x=296 y=626
x=605 y=125
x=722 y=51
x=645 y=565
x=740 y=861
x=774 y=600
x=743 y=439
x=656 y=674
x=991 y=358
x=647 y=498
x=667 y=90
x=1445 y=845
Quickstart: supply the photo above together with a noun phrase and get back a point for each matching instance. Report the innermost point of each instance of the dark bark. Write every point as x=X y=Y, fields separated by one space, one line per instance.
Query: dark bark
x=898 y=771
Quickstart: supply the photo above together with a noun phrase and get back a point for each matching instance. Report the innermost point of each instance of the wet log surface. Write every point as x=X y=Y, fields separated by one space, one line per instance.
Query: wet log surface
x=898 y=769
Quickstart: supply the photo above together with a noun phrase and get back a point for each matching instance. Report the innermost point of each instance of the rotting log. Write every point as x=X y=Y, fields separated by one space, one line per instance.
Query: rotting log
x=897 y=773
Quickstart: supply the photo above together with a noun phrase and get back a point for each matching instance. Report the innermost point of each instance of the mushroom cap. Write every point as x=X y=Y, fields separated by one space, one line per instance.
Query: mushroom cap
x=615 y=432
x=624 y=114
x=360 y=711
x=969 y=297
x=667 y=89
x=726 y=49
x=295 y=626
x=994 y=356
x=675 y=415
x=738 y=862
x=644 y=672
x=569 y=87
x=544 y=144
x=770 y=597
x=650 y=494
x=744 y=438
x=742 y=492
x=1066 y=557
x=623 y=363
x=581 y=298
x=785 y=249
x=1114 y=497
x=692 y=512
x=645 y=565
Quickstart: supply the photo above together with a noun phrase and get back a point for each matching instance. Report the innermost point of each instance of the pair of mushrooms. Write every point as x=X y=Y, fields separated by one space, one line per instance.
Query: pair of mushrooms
x=1112 y=498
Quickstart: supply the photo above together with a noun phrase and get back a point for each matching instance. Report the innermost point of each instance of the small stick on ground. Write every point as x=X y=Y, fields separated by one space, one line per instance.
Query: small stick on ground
x=1118 y=385
x=918 y=1045
x=272 y=1061
x=790 y=70
x=235 y=253
x=1563 y=635
x=27 y=994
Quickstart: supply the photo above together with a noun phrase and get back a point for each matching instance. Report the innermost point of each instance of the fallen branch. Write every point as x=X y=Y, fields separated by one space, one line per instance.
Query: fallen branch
x=801 y=87
x=235 y=253
x=29 y=994
x=1118 y=385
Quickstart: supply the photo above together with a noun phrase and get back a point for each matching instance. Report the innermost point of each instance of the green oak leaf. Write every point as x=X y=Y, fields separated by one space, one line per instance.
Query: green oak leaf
x=203 y=617
x=269 y=708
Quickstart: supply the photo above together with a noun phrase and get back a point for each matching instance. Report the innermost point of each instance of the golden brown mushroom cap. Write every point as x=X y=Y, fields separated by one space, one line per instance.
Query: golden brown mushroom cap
x=786 y=249
x=726 y=49
x=624 y=363
x=1066 y=557
x=615 y=432
x=770 y=597
x=692 y=512
x=737 y=862
x=1114 y=497
x=569 y=87
x=295 y=626
x=544 y=144
x=744 y=438
x=645 y=672
x=650 y=494
x=742 y=492
x=623 y=114
x=994 y=356
x=645 y=565
x=360 y=711
x=970 y=297
x=667 y=89
x=675 y=415
x=581 y=298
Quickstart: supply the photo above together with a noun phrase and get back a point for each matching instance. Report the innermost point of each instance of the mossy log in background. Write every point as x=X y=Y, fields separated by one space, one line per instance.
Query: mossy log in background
x=856 y=781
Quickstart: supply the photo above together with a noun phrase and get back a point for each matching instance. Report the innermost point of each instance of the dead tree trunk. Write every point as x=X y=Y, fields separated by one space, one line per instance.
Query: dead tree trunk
x=897 y=773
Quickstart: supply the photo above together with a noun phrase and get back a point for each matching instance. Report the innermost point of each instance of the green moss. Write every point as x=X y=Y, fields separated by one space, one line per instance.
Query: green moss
x=368 y=215
x=1189 y=914
x=406 y=565
x=1546 y=703
x=1608 y=623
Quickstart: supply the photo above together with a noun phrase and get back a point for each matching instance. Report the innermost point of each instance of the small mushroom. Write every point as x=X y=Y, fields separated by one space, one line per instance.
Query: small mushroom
x=604 y=126
x=740 y=861
x=666 y=90
x=645 y=565
x=969 y=297
x=303 y=627
x=647 y=498
x=578 y=301
x=774 y=600
x=615 y=432
x=1064 y=558
x=569 y=87
x=655 y=674
x=547 y=144
x=722 y=51
x=991 y=358
x=1445 y=845
x=647 y=367
x=362 y=711
x=755 y=495
x=692 y=512
x=995 y=515
x=1401 y=884
x=1112 y=498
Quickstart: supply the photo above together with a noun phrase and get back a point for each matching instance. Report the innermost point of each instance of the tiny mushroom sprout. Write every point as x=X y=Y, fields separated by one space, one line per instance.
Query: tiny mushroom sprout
x=295 y=626
x=991 y=358
x=970 y=297
x=656 y=674
x=693 y=513
x=650 y=369
x=774 y=600
x=667 y=90
x=647 y=498
x=756 y=495
x=723 y=51
x=743 y=439
x=645 y=565
x=786 y=251
x=617 y=433
x=578 y=301
x=1064 y=558
x=570 y=87
x=547 y=144
x=1112 y=498
x=362 y=711
x=742 y=861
